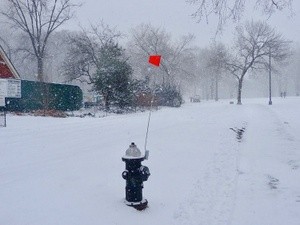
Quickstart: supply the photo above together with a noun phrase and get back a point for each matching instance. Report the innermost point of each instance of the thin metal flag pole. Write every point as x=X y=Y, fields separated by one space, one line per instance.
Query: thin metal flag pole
x=148 y=125
x=154 y=60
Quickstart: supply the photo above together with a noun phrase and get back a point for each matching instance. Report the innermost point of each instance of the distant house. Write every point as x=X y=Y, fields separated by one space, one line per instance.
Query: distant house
x=7 y=70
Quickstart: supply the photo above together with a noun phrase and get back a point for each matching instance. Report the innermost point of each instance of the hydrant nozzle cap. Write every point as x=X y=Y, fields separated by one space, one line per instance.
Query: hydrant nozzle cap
x=133 y=151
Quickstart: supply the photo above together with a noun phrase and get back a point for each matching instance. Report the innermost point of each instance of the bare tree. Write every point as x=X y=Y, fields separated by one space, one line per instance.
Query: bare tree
x=147 y=40
x=217 y=57
x=96 y=58
x=38 y=19
x=294 y=71
x=297 y=76
x=6 y=46
x=255 y=43
x=84 y=56
x=14 y=42
x=233 y=9
x=200 y=82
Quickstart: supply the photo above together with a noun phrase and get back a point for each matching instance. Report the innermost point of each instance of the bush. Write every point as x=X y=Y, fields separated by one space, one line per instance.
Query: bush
x=168 y=95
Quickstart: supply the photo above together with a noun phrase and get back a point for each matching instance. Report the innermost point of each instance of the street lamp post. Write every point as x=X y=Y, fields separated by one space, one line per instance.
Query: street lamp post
x=270 y=78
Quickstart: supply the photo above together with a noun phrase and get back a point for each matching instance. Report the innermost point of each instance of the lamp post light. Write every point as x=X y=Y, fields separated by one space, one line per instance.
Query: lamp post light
x=270 y=78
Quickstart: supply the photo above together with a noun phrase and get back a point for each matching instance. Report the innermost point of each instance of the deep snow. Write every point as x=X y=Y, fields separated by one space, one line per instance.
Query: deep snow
x=68 y=171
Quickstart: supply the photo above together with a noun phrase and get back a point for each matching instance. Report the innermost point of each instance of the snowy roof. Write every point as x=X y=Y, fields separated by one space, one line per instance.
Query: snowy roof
x=7 y=70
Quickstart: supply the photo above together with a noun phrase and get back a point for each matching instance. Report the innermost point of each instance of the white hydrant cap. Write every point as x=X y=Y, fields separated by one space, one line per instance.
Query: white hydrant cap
x=133 y=151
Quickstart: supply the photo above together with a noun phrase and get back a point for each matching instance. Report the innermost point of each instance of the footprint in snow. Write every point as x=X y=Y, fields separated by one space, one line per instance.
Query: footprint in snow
x=273 y=182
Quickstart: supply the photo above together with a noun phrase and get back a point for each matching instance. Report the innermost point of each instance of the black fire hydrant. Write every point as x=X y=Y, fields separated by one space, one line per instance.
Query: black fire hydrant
x=135 y=174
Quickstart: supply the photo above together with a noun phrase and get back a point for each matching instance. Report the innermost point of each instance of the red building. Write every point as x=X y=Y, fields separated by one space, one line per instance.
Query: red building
x=7 y=70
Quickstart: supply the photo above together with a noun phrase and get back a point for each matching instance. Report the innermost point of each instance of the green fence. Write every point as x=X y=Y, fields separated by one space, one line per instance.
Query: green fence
x=37 y=95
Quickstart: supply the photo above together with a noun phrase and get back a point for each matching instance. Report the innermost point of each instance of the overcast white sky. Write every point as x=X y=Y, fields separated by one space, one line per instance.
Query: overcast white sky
x=174 y=15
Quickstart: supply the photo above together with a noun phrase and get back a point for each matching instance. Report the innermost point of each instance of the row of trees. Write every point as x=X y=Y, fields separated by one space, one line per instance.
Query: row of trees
x=94 y=56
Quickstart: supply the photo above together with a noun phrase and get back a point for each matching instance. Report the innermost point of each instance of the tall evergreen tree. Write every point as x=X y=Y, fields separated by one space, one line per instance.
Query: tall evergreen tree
x=113 y=76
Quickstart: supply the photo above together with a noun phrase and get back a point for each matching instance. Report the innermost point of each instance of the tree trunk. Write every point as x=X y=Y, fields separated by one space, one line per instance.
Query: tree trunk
x=206 y=92
x=40 y=78
x=279 y=86
x=46 y=96
x=217 y=90
x=297 y=85
x=40 y=65
x=106 y=101
x=239 y=95
x=212 y=90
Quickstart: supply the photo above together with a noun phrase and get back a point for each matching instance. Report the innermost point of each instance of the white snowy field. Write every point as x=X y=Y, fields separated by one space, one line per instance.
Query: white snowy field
x=56 y=171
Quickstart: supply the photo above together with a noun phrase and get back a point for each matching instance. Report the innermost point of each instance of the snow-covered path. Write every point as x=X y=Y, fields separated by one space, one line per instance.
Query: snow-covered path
x=269 y=180
x=68 y=171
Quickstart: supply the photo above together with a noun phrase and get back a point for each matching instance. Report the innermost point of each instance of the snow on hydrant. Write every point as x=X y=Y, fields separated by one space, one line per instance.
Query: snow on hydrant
x=135 y=174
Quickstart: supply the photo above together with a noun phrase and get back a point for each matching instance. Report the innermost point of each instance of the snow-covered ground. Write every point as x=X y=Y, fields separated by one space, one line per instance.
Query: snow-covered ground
x=56 y=171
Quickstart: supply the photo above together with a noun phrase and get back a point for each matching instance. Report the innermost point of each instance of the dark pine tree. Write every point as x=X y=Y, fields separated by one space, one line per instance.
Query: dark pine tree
x=113 y=79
